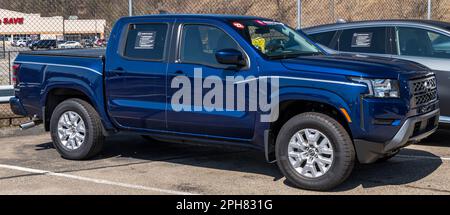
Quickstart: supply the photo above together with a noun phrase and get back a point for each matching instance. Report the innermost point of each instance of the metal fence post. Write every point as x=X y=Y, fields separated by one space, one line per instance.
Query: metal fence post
x=130 y=7
x=4 y=46
x=9 y=67
x=299 y=14
x=429 y=10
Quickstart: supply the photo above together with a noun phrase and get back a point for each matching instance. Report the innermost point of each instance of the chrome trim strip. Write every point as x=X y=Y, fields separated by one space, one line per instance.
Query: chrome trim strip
x=302 y=79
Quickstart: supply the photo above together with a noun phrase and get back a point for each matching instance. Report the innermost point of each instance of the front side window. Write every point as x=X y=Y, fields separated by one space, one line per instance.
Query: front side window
x=274 y=40
x=146 y=41
x=364 y=40
x=422 y=43
x=200 y=43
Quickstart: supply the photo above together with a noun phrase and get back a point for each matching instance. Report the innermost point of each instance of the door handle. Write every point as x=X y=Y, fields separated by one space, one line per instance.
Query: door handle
x=179 y=72
x=118 y=71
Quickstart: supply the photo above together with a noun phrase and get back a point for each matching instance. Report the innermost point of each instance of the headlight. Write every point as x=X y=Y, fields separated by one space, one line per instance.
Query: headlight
x=381 y=88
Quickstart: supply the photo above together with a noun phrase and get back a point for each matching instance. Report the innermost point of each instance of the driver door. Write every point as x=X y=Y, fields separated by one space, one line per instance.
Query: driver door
x=196 y=55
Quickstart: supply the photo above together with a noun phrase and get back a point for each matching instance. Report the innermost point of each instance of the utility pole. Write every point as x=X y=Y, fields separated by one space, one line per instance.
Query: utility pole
x=130 y=7
x=429 y=10
x=299 y=14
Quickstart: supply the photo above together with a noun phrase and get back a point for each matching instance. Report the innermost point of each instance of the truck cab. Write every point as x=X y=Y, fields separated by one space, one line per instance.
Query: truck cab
x=201 y=78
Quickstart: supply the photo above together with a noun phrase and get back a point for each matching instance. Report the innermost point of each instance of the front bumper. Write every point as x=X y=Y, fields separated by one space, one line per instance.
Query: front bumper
x=413 y=130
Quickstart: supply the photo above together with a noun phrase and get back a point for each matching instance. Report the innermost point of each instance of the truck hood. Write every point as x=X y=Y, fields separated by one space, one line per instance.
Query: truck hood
x=358 y=66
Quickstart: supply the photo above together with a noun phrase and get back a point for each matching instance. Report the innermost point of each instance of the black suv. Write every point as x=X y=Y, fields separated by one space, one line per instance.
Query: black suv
x=44 y=44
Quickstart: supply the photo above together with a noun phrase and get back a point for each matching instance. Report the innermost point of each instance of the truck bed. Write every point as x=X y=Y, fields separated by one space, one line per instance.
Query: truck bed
x=87 y=53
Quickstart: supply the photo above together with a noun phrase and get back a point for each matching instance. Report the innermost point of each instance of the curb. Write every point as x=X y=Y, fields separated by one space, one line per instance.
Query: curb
x=15 y=131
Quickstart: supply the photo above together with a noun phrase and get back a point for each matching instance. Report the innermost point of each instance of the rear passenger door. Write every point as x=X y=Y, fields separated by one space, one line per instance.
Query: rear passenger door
x=136 y=75
x=370 y=40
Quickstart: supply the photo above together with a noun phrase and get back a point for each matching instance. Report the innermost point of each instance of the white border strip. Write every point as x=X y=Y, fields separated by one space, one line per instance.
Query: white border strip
x=60 y=65
x=444 y=119
x=423 y=157
x=97 y=181
x=301 y=79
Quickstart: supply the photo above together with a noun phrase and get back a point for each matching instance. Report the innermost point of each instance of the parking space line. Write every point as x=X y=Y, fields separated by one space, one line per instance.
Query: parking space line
x=423 y=157
x=97 y=181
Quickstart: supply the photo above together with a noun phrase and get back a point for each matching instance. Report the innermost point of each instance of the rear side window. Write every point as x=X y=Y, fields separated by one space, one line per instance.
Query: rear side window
x=324 y=38
x=146 y=41
x=364 y=40
x=422 y=43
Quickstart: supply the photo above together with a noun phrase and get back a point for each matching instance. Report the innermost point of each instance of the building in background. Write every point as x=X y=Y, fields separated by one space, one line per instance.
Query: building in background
x=16 y=26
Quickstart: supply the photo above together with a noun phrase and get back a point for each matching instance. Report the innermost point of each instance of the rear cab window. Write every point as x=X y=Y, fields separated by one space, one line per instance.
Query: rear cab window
x=146 y=41
x=364 y=40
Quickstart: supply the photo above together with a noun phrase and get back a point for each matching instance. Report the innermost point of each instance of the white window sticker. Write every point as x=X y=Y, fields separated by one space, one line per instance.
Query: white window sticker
x=145 y=40
x=362 y=40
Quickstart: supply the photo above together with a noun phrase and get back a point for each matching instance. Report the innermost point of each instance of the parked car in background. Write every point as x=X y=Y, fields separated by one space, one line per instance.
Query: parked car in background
x=31 y=42
x=87 y=43
x=44 y=44
x=101 y=43
x=332 y=108
x=70 y=45
x=422 y=41
x=19 y=43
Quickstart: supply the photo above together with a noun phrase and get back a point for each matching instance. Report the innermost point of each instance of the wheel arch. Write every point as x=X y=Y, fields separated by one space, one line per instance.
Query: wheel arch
x=310 y=100
x=57 y=94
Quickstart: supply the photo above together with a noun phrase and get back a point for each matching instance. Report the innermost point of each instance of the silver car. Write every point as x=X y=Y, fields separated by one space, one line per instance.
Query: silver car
x=422 y=41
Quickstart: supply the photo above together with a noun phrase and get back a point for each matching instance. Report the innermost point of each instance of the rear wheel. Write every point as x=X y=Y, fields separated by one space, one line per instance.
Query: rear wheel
x=76 y=130
x=314 y=152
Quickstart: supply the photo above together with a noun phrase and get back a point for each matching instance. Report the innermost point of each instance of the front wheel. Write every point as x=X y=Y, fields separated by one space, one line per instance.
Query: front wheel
x=314 y=152
x=76 y=130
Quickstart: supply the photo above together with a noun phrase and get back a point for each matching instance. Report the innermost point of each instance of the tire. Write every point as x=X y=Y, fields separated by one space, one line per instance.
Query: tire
x=340 y=144
x=388 y=157
x=93 y=130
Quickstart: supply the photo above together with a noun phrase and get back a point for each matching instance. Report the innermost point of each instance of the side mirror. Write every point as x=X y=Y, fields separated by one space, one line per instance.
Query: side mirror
x=230 y=57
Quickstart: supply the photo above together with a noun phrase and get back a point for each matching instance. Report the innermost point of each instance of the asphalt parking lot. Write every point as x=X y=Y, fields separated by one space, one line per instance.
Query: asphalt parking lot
x=132 y=165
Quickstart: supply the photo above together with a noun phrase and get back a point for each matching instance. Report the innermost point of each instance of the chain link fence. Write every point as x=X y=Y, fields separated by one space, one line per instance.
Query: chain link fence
x=63 y=24
x=317 y=12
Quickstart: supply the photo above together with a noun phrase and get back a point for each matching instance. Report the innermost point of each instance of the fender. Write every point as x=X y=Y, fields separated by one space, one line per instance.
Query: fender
x=304 y=94
x=84 y=87
x=315 y=95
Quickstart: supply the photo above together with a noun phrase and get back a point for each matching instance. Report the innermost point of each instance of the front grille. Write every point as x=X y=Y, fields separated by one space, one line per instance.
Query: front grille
x=424 y=91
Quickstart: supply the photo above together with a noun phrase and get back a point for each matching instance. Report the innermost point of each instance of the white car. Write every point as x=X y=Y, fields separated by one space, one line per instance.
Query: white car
x=70 y=45
x=20 y=43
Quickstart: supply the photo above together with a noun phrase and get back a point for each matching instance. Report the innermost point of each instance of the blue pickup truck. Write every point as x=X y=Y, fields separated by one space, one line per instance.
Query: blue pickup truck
x=329 y=113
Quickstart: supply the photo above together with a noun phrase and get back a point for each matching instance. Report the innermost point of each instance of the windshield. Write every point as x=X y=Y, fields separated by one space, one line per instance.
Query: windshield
x=275 y=40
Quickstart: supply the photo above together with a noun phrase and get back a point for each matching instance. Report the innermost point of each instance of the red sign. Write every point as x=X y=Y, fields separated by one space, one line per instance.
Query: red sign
x=12 y=21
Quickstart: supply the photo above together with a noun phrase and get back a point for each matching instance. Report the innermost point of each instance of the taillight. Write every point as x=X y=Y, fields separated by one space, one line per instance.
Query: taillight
x=15 y=70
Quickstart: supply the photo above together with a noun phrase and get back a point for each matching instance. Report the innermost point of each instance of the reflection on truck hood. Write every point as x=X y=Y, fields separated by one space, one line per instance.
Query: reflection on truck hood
x=358 y=65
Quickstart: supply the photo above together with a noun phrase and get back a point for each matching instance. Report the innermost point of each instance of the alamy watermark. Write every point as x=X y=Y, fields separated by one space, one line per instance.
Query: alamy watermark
x=234 y=93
